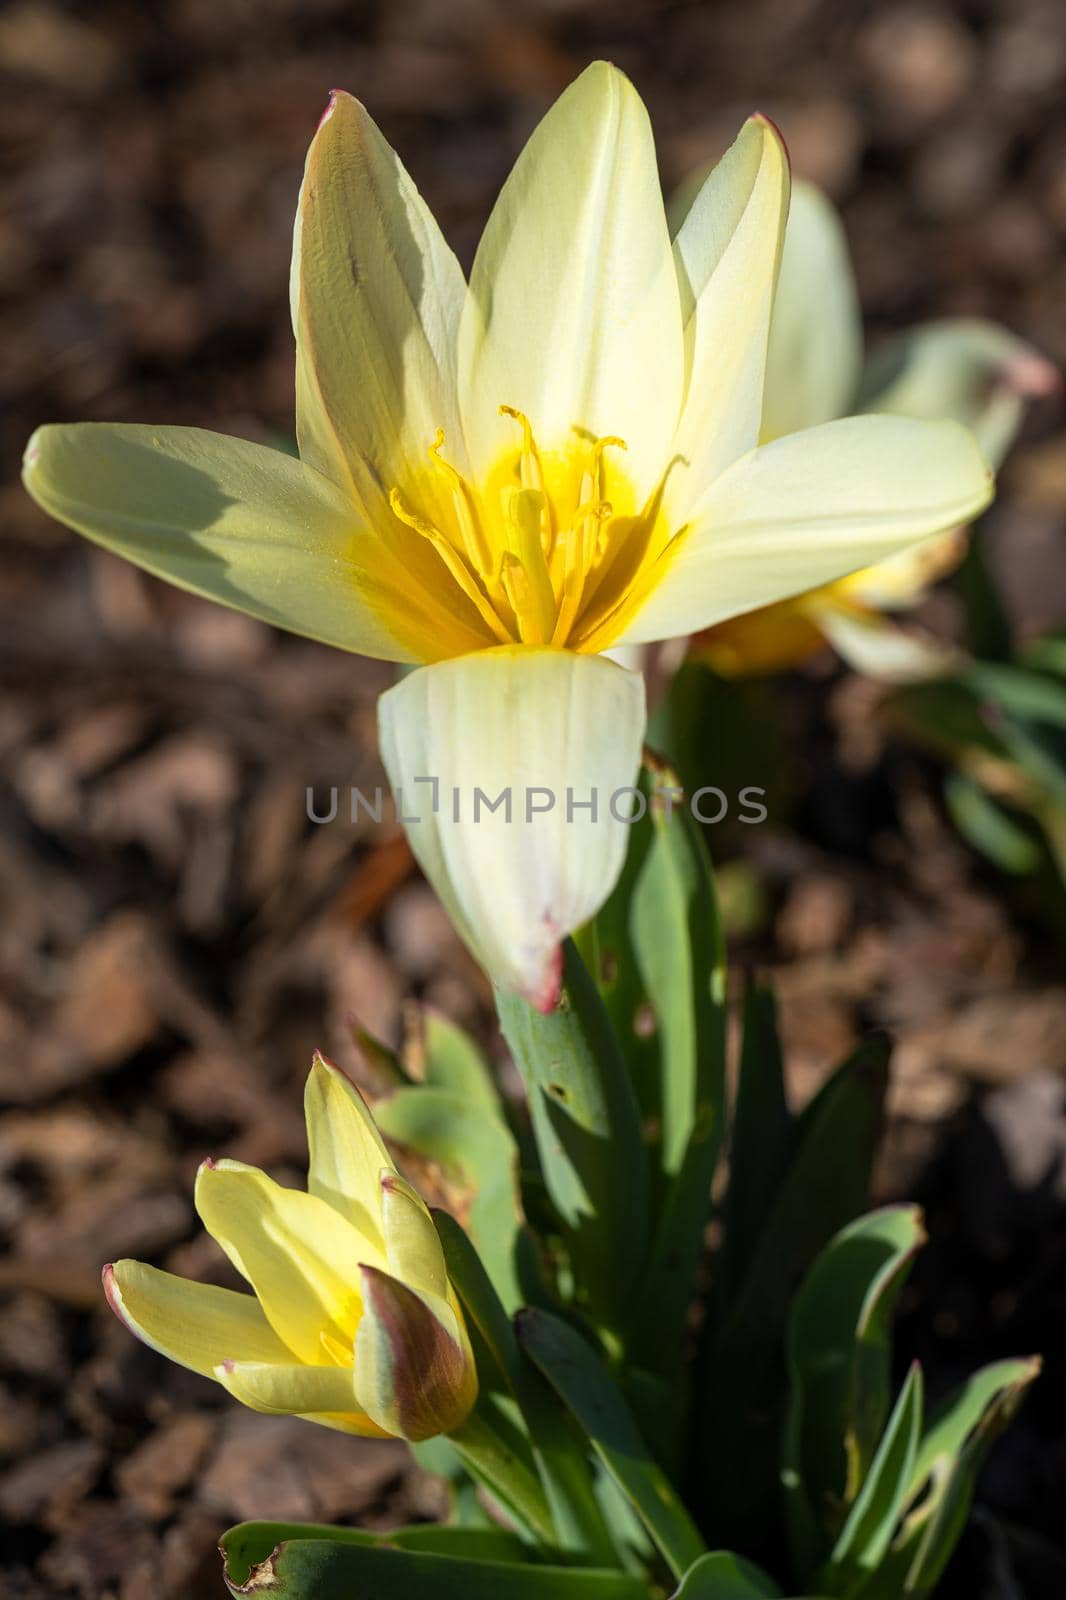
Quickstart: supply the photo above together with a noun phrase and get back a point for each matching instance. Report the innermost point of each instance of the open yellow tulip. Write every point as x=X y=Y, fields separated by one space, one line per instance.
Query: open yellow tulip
x=963 y=368
x=500 y=480
x=353 y=1321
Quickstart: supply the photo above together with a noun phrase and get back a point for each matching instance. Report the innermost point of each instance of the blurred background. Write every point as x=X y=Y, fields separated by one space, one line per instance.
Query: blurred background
x=177 y=936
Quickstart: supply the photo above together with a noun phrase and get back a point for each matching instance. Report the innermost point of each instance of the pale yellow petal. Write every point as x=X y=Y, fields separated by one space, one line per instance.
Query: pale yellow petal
x=347 y=1152
x=412 y=1245
x=727 y=253
x=965 y=368
x=301 y=1257
x=573 y=313
x=810 y=508
x=195 y=1324
x=814 y=359
x=325 y=1395
x=880 y=648
x=539 y=734
x=244 y=525
x=376 y=299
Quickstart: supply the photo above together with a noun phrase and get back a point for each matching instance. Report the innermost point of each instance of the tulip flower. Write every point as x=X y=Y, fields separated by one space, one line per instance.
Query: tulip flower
x=352 y=1321
x=959 y=367
x=500 y=481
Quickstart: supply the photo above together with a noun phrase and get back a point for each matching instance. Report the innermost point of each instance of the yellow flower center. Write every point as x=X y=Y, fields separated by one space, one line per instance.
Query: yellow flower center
x=552 y=549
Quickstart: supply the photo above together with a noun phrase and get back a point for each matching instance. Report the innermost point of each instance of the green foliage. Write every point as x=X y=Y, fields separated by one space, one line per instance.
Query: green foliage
x=1000 y=724
x=636 y=1458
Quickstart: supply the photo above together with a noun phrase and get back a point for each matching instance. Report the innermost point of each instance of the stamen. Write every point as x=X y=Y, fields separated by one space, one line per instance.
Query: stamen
x=469 y=582
x=474 y=541
x=524 y=569
x=597 y=459
x=531 y=473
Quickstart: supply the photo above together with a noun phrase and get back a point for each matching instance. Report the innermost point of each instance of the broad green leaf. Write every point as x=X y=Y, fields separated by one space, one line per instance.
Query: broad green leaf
x=334 y=1569
x=677 y=939
x=680 y=949
x=741 y=1378
x=558 y=1448
x=479 y=1160
x=873 y=1519
x=721 y=1576
x=760 y=1141
x=249 y=1543
x=579 y=1377
x=453 y=1060
x=945 y=1472
x=587 y=1128
x=839 y=1359
x=494 y=1448
x=985 y=825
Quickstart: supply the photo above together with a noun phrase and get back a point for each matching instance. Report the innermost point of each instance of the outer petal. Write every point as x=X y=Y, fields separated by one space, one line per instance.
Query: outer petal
x=413 y=1376
x=347 y=1151
x=412 y=1244
x=881 y=649
x=319 y=1394
x=809 y=508
x=549 y=728
x=301 y=1258
x=376 y=299
x=234 y=521
x=727 y=252
x=195 y=1324
x=960 y=367
x=814 y=359
x=573 y=314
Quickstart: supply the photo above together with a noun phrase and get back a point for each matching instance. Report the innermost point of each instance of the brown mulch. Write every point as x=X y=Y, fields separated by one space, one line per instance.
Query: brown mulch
x=177 y=935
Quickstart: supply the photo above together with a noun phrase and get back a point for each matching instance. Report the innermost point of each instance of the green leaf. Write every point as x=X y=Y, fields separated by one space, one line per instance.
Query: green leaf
x=347 y=1569
x=579 y=1377
x=495 y=1450
x=946 y=1467
x=680 y=949
x=760 y=1141
x=872 y=1520
x=479 y=1157
x=741 y=1376
x=839 y=1358
x=721 y=1576
x=588 y=1134
x=452 y=1060
x=985 y=825
x=558 y=1449
x=250 y=1543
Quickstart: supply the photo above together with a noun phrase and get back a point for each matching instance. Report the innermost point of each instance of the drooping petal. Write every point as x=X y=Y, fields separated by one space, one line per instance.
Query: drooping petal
x=319 y=1394
x=538 y=733
x=376 y=298
x=880 y=648
x=961 y=367
x=814 y=358
x=727 y=252
x=414 y=1376
x=301 y=1258
x=195 y=1324
x=237 y=522
x=347 y=1152
x=573 y=315
x=412 y=1244
x=806 y=509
